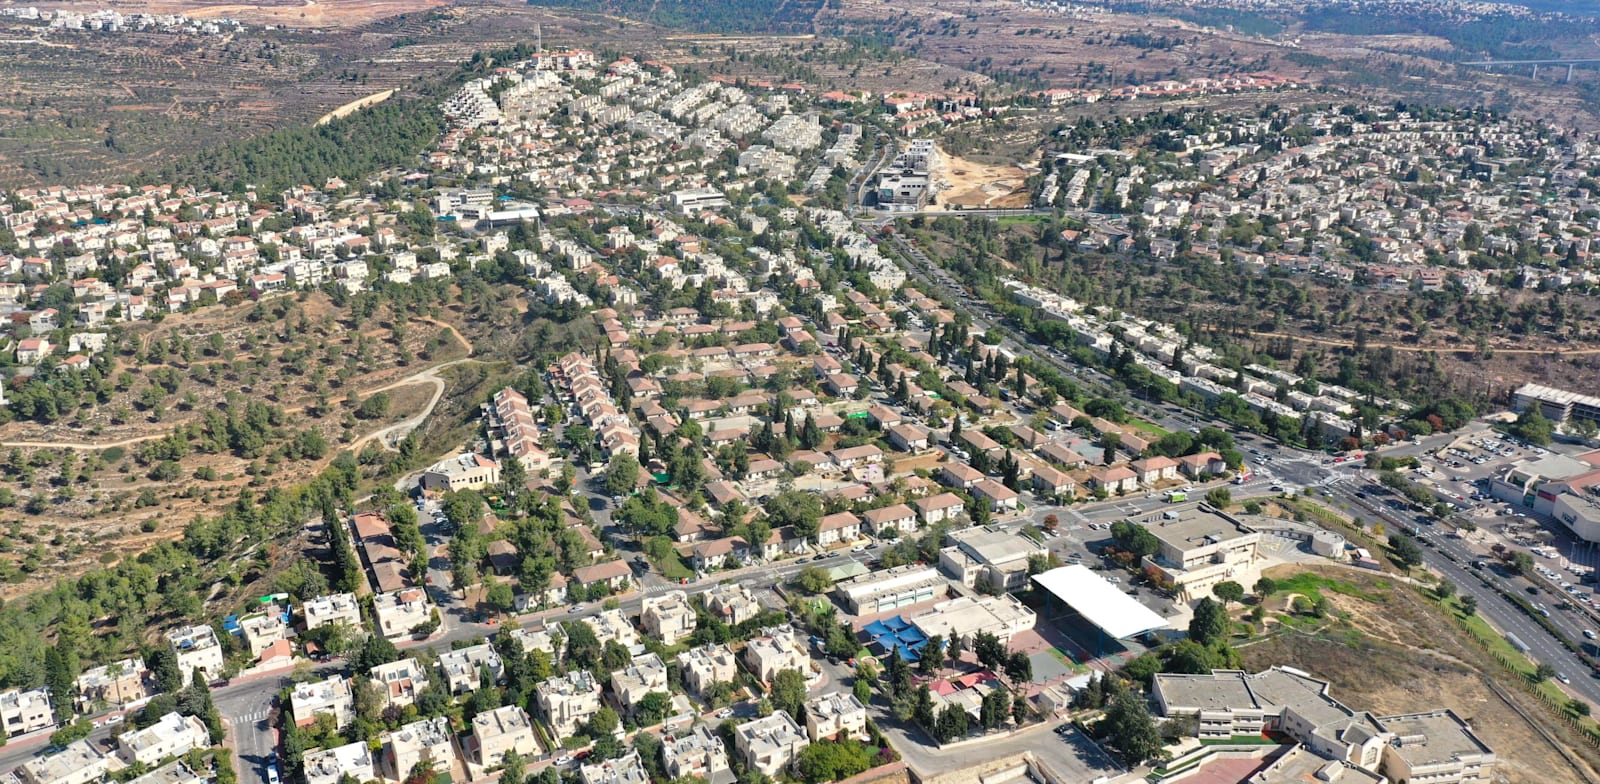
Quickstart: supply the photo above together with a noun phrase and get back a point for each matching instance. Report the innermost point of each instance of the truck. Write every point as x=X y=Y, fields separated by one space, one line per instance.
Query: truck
x=1177 y=496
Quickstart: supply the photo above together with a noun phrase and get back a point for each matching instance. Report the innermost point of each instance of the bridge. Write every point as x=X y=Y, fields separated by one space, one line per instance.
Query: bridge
x=1569 y=63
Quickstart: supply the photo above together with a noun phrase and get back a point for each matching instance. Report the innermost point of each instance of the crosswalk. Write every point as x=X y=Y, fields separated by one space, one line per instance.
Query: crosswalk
x=247 y=718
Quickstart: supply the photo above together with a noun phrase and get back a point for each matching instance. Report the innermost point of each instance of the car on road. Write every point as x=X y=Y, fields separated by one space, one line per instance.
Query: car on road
x=725 y=713
x=576 y=608
x=1589 y=633
x=113 y=720
x=562 y=760
x=1561 y=676
x=860 y=548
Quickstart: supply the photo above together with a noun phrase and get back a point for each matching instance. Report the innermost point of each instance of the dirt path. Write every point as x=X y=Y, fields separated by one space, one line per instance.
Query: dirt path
x=427 y=376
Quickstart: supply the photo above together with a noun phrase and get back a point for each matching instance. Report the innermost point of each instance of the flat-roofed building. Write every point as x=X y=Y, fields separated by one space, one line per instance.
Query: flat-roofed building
x=667 y=617
x=1435 y=747
x=399 y=612
x=703 y=666
x=331 y=697
x=611 y=625
x=333 y=608
x=177 y=772
x=1200 y=547
x=79 y=763
x=627 y=769
x=771 y=743
x=497 y=732
x=401 y=681
x=732 y=603
x=262 y=630
x=428 y=740
x=697 y=751
x=464 y=668
x=779 y=649
x=992 y=554
x=1300 y=765
x=964 y=616
x=836 y=715
x=891 y=589
x=568 y=701
x=112 y=685
x=328 y=766
x=644 y=675
x=171 y=736
x=197 y=648
x=26 y=710
x=549 y=639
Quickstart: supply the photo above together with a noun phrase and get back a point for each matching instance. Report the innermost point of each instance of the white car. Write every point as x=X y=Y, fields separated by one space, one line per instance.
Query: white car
x=860 y=548
x=562 y=760
x=725 y=713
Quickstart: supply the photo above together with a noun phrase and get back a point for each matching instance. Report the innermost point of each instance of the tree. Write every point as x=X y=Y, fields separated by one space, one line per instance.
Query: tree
x=862 y=689
x=1407 y=553
x=813 y=580
x=991 y=652
x=1469 y=605
x=1209 y=624
x=1444 y=590
x=828 y=760
x=512 y=770
x=654 y=707
x=1134 y=538
x=1219 y=497
x=995 y=709
x=1130 y=731
x=61 y=674
x=1545 y=671
x=1266 y=586
x=1228 y=591
x=932 y=654
x=622 y=476
x=1521 y=562
x=1532 y=426
x=952 y=724
x=1019 y=668
x=603 y=724
x=793 y=508
x=788 y=692
x=375 y=650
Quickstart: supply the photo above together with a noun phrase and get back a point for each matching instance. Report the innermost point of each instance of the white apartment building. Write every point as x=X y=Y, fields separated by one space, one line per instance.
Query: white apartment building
x=569 y=701
x=333 y=608
x=463 y=669
x=500 y=731
x=706 y=665
x=25 y=711
x=172 y=736
x=836 y=715
x=697 y=752
x=428 y=740
x=780 y=649
x=398 y=612
x=331 y=697
x=197 y=648
x=668 y=617
x=326 y=767
x=644 y=675
x=770 y=744
x=401 y=681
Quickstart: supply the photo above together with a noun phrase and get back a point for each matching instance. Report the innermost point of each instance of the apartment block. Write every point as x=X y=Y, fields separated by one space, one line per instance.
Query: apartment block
x=732 y=603
x=568 y=701
x=25 y=711
x=644 y=675
x=331 y=697
x=172 y=736
x=780 y=649
x=836 y=715
x=707 y=665
x=197 y=649
x=623 y=770
x=333 y=608
x=398 y=612
x=400 y=680
x=327 y=767
x=464 y=668
x=769 y=744
x=428 y=740
x=261 y=631
x=697 y=752
x=112 y=685
x=500 y=731
x=668 y=617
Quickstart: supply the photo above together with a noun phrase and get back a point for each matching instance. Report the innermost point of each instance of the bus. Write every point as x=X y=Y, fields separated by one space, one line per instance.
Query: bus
x=1177 y=496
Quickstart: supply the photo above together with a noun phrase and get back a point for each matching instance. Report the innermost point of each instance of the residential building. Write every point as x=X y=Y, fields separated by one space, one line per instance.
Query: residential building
x=780 y=649
x=837 y=528
x=499 y=731
x=999 y=497
x=327 y=767
x=697 y=751
x=644 y=675
x=197 y=649
x=1114 y=480
x=330 y=697
x=333 y=608
x=262 y=630
x=400 y=612
x=732 y=603
x=712 y=663
x=836 y=715
x=79 y=763
x=428 y=740
x=770 y=744
x=613 y=574
x=464 y=668
x=667 y=617
x=172 y=735
x=611 y=625
x=112 y=685
x=569 y=701
x=899 y=518
x=628 y=769
x=401 y=681
x=461 y=472
x=939 y=508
